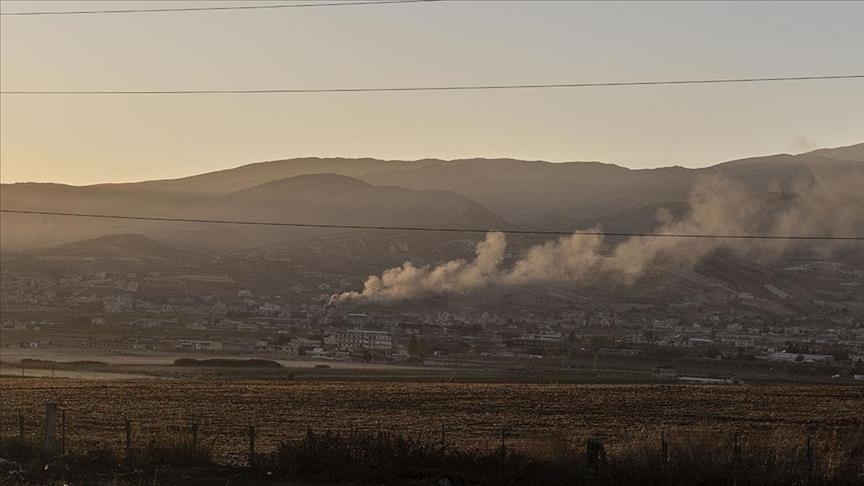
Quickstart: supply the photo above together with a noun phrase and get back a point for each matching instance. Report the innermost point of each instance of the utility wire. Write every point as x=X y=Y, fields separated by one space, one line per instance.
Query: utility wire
x=438 y=88
x=437 y=229
x=202 y=9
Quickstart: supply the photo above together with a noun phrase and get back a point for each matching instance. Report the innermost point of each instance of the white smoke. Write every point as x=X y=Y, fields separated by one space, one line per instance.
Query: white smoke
x=822 y=205
x=410 y=281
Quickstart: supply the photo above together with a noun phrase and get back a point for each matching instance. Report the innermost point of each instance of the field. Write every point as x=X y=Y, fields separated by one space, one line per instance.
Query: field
x=465 y=414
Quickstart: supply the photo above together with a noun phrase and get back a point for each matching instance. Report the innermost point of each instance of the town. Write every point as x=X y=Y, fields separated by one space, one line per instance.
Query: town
x=187 y=314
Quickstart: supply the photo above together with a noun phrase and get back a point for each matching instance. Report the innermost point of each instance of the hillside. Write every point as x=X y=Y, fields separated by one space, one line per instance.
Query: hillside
x=334 y=199
x=849 y=152
x=318 y=199
x=125 y=245
x=459 y=193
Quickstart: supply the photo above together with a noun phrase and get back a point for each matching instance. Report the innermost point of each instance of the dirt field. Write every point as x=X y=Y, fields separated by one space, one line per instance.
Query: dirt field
x=472 y=414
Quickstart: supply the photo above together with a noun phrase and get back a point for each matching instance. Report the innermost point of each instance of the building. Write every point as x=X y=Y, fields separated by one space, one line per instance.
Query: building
x=700 y=380
x=357 y=319
x=544 y=340
x=619 y=353
x=199 y=345
x=785 y=357
x=361 y=339
x=664 y=373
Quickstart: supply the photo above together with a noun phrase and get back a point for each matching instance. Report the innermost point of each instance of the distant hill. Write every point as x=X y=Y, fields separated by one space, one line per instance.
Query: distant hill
x=114 y=253
x=494 y=193
x=470 y=193
x=589 y=192
x=250 y=175
x=129 y=244
x=849 y=152
x=335 y=199
x=317 y=199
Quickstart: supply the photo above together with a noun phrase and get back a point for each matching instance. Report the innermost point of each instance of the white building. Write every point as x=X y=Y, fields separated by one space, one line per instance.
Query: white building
x=361 y=339
x=199 y=345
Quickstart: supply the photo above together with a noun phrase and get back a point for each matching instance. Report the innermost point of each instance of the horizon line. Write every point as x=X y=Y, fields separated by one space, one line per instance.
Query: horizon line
x=437 y=159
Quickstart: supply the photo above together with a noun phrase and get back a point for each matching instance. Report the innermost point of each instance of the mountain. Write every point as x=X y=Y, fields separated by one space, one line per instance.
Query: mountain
x=338 y=200
x=459 y=193
x=316 y=199
x=524 y=191
x=590 y=192
x=250 y=175
x=849 y=152
x=335 y=199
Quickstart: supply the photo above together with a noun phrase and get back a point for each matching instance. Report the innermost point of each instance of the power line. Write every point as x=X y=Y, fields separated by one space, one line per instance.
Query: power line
x=437 y=229
x=202 y=9
x=439 y=88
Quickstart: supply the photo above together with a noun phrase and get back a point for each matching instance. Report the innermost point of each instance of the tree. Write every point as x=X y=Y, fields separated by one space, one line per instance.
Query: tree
x=416 y=349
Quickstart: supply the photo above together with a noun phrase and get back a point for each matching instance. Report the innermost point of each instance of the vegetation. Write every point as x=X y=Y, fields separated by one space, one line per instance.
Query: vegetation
x=49 y=363
x=385 y=458
x=25 y=462
x=227 y=363
x=472 y=413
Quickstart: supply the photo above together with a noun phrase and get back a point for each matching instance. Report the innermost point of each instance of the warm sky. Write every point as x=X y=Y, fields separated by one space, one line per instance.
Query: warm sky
x=81 y=140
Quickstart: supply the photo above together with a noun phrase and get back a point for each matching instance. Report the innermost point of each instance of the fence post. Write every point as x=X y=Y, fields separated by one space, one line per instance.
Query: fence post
x=49 y=439
x=21 y=428
x=664 y=450
x=379 y=446
x=736 y=454
x=595 y=454
x=252 y=445
x=63 y=431
x=809 y=451
x=194 y=437
x=127 y=424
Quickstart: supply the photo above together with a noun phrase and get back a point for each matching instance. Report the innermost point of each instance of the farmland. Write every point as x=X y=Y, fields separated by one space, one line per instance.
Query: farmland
x=472 y=415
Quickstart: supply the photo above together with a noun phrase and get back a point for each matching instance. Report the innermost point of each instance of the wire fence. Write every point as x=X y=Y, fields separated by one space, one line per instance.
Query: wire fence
x=237 y=443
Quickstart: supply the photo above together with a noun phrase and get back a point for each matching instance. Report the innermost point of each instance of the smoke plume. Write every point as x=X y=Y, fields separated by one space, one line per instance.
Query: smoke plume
x=820 y=205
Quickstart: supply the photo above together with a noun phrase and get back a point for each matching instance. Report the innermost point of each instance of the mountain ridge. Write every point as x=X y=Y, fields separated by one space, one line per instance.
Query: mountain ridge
x=312 y=198
x=478 y=192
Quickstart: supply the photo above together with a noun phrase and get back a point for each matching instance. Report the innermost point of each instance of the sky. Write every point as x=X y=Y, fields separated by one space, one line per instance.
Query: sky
x=83 y=140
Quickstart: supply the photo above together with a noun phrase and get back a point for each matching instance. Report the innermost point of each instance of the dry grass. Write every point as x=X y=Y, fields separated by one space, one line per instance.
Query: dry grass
x=387 y=458
x=397 y=430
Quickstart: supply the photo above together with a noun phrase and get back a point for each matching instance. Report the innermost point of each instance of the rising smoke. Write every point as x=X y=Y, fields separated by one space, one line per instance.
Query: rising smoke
x=822 y=204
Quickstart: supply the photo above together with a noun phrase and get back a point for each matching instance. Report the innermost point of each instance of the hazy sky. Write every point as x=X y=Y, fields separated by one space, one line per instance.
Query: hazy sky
x=82 y=140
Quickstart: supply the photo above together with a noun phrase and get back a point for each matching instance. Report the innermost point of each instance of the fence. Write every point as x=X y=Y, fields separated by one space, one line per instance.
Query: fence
x=244 y=444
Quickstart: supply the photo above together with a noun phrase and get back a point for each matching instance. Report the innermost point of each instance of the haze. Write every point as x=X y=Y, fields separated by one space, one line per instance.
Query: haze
x=97 y=139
